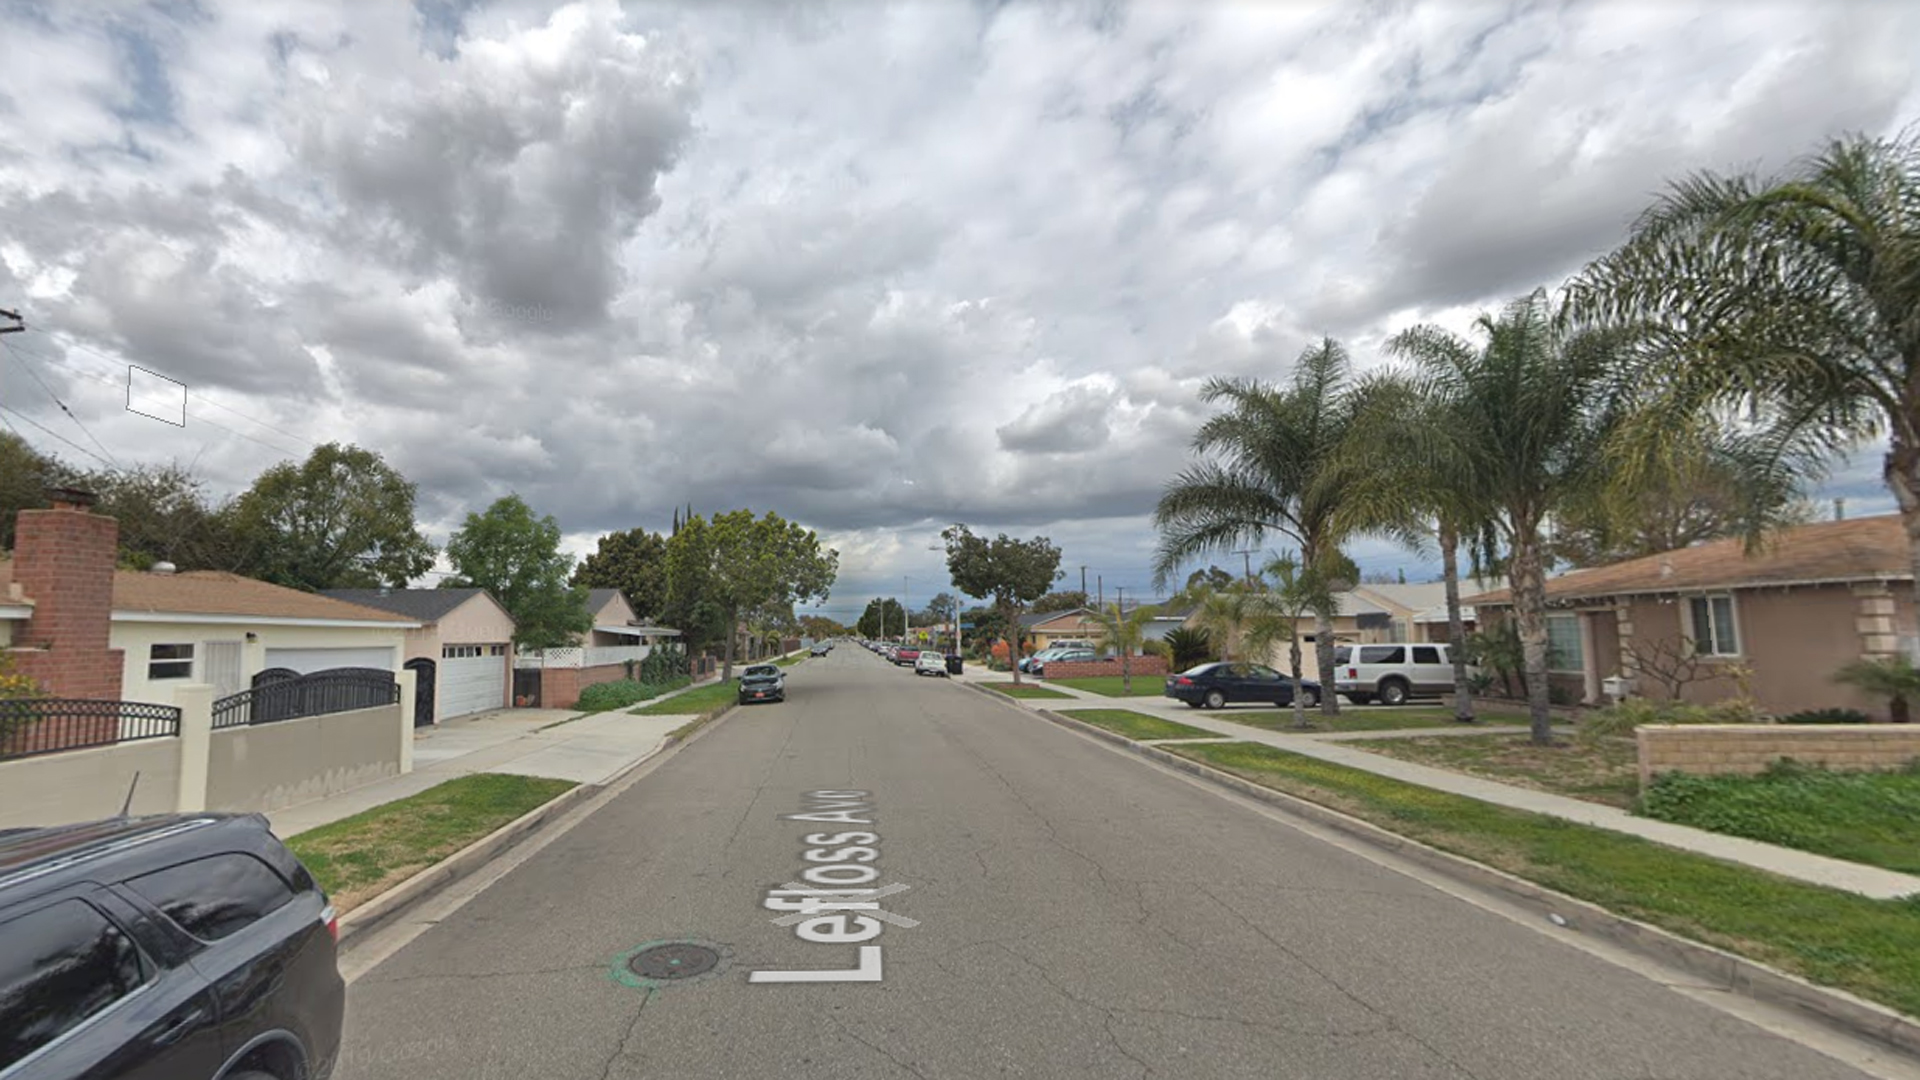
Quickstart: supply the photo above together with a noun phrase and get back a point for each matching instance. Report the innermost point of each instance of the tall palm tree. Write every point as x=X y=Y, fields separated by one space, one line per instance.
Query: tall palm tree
x=1531 y=413
x=1124 y=631
x=1430 y=488
x=1272 y=464
x=1223 y=615
x=1795 y=298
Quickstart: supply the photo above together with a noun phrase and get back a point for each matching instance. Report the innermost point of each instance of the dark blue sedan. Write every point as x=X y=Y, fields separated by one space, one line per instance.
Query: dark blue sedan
x=1213 y=686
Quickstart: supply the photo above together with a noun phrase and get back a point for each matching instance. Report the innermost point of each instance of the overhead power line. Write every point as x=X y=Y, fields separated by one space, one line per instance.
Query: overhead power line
x=55 y=435
x=202 y=399
x=24 y=366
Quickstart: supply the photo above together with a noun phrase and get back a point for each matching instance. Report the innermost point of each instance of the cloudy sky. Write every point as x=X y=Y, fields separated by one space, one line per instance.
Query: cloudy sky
x=878 y=267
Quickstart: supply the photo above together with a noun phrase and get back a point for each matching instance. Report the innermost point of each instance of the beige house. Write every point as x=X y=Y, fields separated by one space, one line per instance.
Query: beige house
x=1786 y=618
x=461 y=654
x=1378 y=613
x=1051 y=627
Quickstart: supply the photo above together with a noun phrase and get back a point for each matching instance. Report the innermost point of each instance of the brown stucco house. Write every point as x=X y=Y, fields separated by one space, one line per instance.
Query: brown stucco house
x=1814 y=598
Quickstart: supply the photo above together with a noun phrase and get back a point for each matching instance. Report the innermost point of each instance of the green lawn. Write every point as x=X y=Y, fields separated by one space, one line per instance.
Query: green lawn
x=1024 y=690
x=1597 y=770
x=1114 y=686
x=356 y=859
x=790 y=660
x=698 y=700
x=1350 y=719
x=1863 y=817
x=1868 y=947
x=1137 y=725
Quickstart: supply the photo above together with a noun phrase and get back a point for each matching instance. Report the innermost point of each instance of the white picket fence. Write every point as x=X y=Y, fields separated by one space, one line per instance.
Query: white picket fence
x=574 y=656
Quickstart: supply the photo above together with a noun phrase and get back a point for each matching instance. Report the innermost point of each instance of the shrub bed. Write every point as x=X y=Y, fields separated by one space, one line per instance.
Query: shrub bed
x=621 y=693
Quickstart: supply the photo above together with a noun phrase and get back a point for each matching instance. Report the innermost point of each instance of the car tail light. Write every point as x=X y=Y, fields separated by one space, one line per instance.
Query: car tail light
x=1353 y=673
x=331 y=917
x=1183 y=681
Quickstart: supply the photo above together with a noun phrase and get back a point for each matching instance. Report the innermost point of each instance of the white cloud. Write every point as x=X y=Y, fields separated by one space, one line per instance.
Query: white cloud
x=792 y=257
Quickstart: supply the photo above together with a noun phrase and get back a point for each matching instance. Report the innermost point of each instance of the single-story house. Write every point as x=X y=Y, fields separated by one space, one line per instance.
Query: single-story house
x=461 y=654
x=1166 y=620
x=1813 y=599
x=1047 y=627
x=85 y=629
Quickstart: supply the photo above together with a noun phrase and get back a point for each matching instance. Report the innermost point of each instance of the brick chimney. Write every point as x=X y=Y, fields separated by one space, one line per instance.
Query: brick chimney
x=63 y=560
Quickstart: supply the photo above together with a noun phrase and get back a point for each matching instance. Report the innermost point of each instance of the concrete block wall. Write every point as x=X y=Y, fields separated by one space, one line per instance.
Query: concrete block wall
x=1745 y=749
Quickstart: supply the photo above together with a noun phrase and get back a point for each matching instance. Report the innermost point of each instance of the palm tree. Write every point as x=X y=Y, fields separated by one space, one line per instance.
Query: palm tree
x=1530 y=418
x=1297 y=589
x=1187 y=647
x=1273 y=464
x=1125 y=631
x=1427 y=486
x=1894 y=678
x=1792 y=298
x=1223 y=616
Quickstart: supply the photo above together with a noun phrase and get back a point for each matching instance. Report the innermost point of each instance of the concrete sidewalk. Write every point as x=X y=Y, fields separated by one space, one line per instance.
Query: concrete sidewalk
x=1803 y=866
x=525 y=742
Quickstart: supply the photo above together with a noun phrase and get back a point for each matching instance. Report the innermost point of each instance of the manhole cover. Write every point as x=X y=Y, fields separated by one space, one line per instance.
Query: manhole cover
x=675 y=960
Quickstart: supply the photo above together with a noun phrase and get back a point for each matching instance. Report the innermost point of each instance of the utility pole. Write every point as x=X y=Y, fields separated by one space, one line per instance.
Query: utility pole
x=1246 y=557
x=1102 y=586
x=1083 y=583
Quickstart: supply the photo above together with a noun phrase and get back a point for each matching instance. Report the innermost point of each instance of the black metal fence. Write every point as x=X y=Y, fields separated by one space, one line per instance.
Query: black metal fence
x=279 y=694
x=47 y=725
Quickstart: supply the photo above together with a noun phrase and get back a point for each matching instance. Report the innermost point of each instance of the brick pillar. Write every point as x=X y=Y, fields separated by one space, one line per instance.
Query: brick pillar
x=1623 y=624
x=1874 y=620
x=63 y=560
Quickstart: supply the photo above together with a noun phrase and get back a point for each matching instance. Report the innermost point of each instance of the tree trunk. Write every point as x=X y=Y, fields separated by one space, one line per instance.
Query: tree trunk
x=1126 y=672
x=1456 y=627
x=1323 y=652
x=1013 y=641
x=1299 y=710
x=1903 y=476
x=733 y=631
x=1528 y=579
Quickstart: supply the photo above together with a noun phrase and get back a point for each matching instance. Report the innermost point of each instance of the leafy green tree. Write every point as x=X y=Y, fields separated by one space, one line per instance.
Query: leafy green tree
x=1014 y=573
x=1125 y=632
x=164 y=514
x=820 y=628
x=1187 y=647
x=1276 y=461
x=25 y=476
x=633 y=561
x=1066 y=600
x=753 y=562
x=343 y=518
x=690 y=607
x=517 y=558
x=882 y=618
x=1792 y=297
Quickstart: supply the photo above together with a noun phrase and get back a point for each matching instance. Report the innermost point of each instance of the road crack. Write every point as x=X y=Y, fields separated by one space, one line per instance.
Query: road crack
x=620 y=1049
x=876 y=1048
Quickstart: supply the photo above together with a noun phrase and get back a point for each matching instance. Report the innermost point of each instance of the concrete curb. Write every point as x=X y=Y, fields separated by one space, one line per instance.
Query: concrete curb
x=396 y=901
x=1735 y=974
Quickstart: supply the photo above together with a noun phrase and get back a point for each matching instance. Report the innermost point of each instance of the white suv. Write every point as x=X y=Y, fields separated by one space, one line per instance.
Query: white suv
x=1393 y=672
x=930 y=663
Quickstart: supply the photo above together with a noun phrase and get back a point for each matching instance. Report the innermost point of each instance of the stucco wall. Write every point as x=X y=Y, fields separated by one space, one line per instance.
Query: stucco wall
x=476 y=622
x=269 y=766
x=1746 y=749
x=81 y=785
x=137 y=638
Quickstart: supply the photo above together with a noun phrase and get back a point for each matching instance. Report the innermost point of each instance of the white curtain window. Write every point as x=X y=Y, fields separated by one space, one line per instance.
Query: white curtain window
x=1713 y=630
x=1564 y=652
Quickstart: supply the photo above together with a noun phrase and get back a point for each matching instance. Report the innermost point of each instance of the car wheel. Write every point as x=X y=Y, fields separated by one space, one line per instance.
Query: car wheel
x=1215 y=699
x=1309 y=699
x=1393 y=692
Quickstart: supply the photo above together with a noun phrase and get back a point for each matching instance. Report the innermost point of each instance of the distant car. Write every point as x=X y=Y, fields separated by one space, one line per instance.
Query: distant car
x=188 y=946
x=904 y=656
x=1213 y=686
x=930 y=663
x=763 y=682
x=821 y=649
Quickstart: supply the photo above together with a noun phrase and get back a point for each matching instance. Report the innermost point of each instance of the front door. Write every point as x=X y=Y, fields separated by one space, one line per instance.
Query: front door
x=226 y=667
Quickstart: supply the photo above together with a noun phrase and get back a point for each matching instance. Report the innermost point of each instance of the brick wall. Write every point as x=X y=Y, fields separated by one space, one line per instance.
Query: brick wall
x=560 y=687
x=1745 y=749
x=1140 y=665
x=63 y=559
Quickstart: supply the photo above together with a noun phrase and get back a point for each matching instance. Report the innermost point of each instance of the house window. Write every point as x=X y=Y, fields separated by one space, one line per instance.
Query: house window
x=170 y=662
x=1564 y=651
x=1713 y=629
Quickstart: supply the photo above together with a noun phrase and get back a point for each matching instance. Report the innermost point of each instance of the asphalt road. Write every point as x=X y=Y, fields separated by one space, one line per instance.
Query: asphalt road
x=1079 y=913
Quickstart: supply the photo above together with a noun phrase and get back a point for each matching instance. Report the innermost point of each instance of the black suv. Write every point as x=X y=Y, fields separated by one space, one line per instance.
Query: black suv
x=173 y=947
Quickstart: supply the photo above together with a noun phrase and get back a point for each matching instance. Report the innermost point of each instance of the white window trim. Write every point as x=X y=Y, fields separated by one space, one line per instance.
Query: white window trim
x=1733 y=612
x=1579 y=662
x=192 y=660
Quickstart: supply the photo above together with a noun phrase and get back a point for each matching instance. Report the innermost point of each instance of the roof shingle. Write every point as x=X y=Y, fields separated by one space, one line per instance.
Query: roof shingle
x=216 y=592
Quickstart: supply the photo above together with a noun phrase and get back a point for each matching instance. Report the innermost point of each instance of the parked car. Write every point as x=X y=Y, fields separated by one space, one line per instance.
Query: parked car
x=1052 y=651
x=763 y=682
x=170 y=947
x=930 y=662
x=905 y=656
x=1215 y=685
x=1068 y=656
x=821 y=649
x=1393 y=672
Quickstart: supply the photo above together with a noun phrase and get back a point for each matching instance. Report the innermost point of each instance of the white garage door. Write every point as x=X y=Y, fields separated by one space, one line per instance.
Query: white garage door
x=307 y=661
x=470 y=684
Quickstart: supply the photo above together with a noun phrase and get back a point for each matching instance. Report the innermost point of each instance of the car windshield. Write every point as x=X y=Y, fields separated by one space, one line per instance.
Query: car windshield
x=760 y=671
